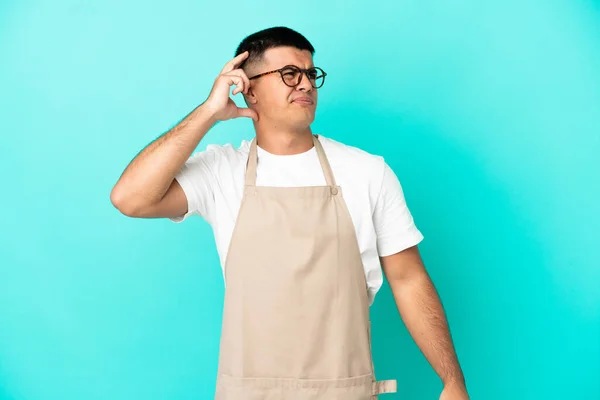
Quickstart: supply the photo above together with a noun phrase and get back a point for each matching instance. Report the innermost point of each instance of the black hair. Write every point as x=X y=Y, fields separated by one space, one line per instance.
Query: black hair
x=257 y=43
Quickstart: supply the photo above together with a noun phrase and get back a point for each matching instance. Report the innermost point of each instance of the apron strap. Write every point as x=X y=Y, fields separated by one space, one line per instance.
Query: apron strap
x=324 y=162
x=388 y=386
x=252 y=163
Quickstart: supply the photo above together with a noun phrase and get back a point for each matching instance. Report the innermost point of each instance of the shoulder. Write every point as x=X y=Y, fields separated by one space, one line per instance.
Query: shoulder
x=217 y=163
x=362 y=163
x=215 y=155
x=228 y=150
x=353 y=153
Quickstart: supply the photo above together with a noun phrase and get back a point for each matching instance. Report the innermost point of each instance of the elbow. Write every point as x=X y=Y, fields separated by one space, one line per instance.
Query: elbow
x=123 y=203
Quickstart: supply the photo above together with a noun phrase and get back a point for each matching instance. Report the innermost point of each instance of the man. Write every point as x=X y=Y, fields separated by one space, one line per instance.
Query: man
x=303 y=225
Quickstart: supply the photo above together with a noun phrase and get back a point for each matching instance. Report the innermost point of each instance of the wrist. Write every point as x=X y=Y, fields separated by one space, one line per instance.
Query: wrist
x=207 y=112
x=458 y=381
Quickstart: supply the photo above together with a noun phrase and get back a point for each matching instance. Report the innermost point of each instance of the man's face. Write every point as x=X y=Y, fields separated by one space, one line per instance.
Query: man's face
x=280 y=104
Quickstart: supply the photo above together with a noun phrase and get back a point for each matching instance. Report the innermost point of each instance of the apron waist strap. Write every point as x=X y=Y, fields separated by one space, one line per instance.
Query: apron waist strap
x=387 y=386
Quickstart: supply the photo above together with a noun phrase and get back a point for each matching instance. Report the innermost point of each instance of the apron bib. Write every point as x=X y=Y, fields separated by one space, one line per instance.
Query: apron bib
x=296 y=313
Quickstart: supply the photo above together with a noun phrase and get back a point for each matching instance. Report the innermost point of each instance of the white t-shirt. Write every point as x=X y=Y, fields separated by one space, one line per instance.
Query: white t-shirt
x=213 y=182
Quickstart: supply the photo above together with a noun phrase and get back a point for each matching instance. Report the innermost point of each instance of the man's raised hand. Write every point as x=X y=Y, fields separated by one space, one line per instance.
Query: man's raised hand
x=219 y=102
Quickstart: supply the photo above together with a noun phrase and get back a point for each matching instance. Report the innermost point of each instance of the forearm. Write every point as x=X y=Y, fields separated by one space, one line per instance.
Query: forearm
x=422 y=312
x=149 y=175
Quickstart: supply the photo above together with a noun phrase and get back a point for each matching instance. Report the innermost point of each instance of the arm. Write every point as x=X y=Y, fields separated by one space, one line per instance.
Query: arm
x=148 y=188
x=421 y=310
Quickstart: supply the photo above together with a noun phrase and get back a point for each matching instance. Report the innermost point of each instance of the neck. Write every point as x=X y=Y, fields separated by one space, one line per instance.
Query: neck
x=281 y=141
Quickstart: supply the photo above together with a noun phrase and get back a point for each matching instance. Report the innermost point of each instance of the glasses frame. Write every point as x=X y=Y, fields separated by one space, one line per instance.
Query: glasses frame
x=302 y=73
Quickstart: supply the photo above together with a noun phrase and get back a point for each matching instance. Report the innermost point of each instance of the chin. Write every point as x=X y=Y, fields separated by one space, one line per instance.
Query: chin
x=303 y=123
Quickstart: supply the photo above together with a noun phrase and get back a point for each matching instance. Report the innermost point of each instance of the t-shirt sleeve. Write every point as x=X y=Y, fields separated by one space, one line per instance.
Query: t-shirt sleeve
x=197 y=179
x=394 y=224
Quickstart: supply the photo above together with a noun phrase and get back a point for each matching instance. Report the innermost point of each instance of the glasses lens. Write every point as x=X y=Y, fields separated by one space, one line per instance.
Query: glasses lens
x=317 y=77
x=290 y=76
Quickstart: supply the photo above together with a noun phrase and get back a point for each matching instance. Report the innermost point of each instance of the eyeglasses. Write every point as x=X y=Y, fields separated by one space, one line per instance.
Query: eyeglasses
x=291 y=75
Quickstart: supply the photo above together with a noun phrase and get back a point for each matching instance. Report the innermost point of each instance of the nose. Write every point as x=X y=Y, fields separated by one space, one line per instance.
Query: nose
x=304 y=84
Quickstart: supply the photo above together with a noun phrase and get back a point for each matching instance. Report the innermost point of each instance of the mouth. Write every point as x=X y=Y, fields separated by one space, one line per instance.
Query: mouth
x=304 y=101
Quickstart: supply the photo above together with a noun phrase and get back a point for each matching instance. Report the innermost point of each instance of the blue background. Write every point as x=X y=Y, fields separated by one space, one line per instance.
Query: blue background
x=488 y=112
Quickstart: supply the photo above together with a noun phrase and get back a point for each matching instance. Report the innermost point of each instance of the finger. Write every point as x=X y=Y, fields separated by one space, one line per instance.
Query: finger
x=247 y=83
x=235 y=62
x=235 y=80
x=240 y=72
x=247 y=112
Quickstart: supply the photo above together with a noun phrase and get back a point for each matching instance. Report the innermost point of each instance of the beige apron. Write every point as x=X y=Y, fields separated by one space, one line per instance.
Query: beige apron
x=296 y=313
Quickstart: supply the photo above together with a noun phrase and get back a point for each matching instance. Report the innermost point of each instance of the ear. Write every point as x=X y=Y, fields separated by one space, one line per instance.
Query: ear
x=250 y=97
